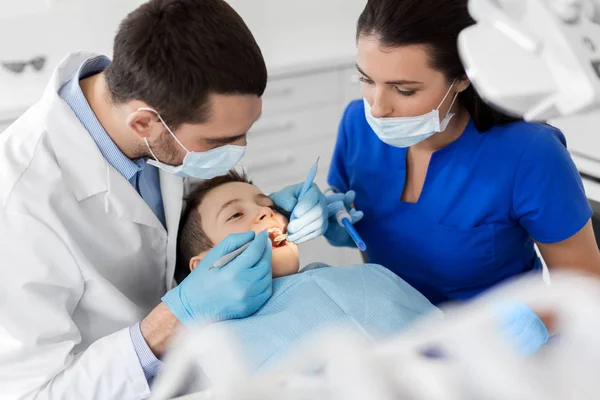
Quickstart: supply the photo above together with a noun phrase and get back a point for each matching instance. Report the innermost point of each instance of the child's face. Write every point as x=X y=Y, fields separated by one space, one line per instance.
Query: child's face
x=240 y=207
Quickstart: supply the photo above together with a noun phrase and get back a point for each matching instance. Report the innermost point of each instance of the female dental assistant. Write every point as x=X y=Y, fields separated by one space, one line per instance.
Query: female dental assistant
x=454 y=193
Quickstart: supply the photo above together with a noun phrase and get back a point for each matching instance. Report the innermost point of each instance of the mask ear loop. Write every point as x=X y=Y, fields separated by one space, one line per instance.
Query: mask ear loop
x=453 y=100
x=166 y=126
x=444 y=99
x=451 y=104
x=151 y=152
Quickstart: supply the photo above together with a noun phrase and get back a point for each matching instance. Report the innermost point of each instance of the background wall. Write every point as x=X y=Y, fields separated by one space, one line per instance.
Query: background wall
x=290 y=33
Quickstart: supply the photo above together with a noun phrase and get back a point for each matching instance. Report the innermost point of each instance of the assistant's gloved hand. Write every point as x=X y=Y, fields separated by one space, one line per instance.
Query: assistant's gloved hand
x=235 y=290
x=337 y=235
x=522 y=326
x=308 y=213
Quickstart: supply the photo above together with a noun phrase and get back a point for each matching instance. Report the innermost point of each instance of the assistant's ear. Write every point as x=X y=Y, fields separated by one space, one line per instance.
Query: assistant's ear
x=462 y=83
x=143 y=122
x=196 y=260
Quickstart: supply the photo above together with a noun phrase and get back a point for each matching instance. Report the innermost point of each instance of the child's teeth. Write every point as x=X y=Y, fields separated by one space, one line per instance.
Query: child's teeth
x=280 y=238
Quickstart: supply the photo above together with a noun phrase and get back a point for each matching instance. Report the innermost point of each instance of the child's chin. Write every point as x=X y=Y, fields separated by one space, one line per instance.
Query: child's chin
x=285 y=264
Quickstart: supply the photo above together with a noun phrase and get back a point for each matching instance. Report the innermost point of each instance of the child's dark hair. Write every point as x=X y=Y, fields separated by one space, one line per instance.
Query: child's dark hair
x=192 y=239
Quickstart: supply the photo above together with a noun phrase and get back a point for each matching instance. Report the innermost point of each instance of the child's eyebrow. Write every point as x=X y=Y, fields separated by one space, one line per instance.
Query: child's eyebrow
x=224 y=206
x=262 y=196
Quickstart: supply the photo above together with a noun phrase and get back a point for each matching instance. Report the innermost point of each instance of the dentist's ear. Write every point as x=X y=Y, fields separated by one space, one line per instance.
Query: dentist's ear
x=142 y=122
x=196 y=260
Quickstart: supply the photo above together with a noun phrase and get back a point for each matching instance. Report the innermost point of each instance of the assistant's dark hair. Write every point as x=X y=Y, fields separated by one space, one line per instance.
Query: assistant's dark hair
x=192 y=239
x=436 y=25
x=171 y=54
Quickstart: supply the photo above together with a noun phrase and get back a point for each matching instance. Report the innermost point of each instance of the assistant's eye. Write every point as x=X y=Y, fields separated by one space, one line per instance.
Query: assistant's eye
x=235 y=216
x=365 y=80
x=406 y=93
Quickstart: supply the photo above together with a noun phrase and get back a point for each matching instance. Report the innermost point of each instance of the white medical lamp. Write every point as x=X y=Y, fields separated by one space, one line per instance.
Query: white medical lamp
x=539 y=59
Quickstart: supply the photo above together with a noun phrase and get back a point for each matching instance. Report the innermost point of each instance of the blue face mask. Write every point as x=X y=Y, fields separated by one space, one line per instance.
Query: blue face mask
x=201 y=165
x=408 y=131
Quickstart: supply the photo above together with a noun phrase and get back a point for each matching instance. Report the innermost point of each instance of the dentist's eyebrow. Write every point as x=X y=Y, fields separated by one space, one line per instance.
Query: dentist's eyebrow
x=232 y=139
x=224 y=206
x=226 y=140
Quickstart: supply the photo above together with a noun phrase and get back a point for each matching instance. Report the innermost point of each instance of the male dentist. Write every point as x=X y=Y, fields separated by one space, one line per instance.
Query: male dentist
x=91 y=194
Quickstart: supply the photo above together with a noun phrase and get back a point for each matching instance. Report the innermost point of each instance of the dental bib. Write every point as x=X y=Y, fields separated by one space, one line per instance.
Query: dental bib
x=367 y=299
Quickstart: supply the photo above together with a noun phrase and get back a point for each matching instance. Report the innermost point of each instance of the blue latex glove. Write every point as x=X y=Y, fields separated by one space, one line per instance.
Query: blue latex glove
x=522 y=326
x=309 y=219
x=337 y=235
x=235 y=290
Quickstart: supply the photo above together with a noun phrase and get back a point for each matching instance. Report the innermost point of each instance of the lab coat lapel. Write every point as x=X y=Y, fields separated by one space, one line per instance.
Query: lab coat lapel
x=86 y=170
x=172 y=195
x=126 y=203
x=76 y=152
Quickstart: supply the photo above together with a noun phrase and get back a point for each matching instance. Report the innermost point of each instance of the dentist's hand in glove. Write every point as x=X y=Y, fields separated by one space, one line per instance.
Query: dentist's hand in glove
x=235 y=290
x=308 y=212
x=337 y=235
x=522 y=326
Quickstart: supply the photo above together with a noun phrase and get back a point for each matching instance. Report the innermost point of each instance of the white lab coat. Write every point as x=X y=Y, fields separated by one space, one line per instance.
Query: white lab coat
x=82 y=257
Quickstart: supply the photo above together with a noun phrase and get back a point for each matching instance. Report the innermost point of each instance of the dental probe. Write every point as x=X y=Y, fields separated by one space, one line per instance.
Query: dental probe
x=227 y=258
x=310 y=178
x=312 y=173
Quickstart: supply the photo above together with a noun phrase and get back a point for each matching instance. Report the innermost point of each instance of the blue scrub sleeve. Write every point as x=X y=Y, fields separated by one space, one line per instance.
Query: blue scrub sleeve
x=549 y=200
x=338 y=177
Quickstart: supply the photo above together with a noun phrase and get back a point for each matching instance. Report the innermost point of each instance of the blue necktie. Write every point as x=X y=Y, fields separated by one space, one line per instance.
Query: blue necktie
x=147 y=184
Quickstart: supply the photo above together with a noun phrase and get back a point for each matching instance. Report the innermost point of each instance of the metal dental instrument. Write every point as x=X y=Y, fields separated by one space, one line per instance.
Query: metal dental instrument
x=312 y=173
x=227 y=258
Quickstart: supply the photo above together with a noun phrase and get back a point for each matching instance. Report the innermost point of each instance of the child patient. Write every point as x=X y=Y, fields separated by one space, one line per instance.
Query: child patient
x=369 y=299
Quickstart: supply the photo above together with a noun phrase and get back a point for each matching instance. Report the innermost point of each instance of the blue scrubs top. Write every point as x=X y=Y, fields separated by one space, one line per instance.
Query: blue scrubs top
x=486 y=198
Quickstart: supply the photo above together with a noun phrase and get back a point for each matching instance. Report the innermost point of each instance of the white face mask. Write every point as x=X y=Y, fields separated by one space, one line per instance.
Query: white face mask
x=408 y=131
x=201 y=165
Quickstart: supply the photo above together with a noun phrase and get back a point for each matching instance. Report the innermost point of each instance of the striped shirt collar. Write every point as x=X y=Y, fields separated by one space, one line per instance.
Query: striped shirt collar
x=71 y=93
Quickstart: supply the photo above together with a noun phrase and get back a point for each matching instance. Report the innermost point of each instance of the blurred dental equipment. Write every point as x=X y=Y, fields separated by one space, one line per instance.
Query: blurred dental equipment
x=539 y=59
x=344 y=219
x=479 y=362
x=18 y=67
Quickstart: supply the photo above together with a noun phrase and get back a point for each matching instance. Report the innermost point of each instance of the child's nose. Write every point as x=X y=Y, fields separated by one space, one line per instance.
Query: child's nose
x=264 y=213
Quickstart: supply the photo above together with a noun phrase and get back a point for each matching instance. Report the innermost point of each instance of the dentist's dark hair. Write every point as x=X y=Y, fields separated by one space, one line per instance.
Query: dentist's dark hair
x=434 y=24
x=172 y=54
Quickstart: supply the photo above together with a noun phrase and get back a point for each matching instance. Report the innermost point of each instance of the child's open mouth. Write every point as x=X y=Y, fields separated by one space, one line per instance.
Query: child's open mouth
x=277 y=237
